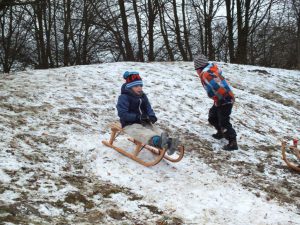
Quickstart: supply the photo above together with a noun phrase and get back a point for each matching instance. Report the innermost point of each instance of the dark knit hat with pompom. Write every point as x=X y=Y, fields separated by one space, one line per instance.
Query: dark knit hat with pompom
x=132 y=79
x=200 y=61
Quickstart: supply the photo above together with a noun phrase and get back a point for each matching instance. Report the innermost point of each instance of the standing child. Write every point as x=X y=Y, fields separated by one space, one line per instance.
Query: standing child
x=218 y=89
x=137 y=116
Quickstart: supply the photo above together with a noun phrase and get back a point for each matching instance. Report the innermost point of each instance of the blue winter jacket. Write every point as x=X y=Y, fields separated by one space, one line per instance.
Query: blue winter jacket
x=131 y=106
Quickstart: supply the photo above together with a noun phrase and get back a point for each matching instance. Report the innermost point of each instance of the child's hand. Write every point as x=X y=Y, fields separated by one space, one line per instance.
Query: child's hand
x=153 y=119
x=144 y=118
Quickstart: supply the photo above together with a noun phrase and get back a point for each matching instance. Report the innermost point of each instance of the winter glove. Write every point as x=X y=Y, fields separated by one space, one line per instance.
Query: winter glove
x=153 y=119
x=144 y=118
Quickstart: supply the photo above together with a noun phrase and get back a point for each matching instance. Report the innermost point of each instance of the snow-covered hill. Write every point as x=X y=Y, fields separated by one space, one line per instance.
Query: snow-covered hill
x=54 y=169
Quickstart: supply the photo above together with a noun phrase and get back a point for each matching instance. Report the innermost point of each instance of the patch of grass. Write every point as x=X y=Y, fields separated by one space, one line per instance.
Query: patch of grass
x=260 y=168
x=262 y=72
x=279 y=99
x=107 y=189
x=30 y=109
x=134 y=197
x=78 y=122
x=95 y=217
x=152 y=209
x=77 y=180
x=117 y=215
x=76 y=197
x=49 y=140
x=80 y=99
x=17 y=213
x=268 y=148
x=13 y=219
x=166 y=220
x=61 y=204
x=73 y=112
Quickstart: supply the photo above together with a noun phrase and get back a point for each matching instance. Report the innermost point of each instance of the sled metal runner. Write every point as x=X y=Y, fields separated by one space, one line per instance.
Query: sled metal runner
x=295 y=151
x=158 y=152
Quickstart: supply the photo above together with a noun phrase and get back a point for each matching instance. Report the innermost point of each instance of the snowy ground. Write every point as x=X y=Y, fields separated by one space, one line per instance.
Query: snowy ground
x=54 y=169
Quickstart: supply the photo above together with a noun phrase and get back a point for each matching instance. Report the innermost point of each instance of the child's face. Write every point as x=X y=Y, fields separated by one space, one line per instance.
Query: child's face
x=199 y=71
x=137 y=89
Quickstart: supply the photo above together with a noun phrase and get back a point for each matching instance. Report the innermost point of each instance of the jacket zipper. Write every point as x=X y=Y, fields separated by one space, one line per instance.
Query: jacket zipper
x=140 y=106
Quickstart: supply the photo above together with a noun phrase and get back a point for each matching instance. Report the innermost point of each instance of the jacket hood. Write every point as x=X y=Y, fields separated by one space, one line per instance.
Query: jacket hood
x=124 y=90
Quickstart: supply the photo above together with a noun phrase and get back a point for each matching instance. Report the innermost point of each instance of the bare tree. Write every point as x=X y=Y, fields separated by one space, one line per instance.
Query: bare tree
x=152 y=14
x=5 y=3
x=80 y=31
x=107 y=21
x=55 y=8
x=248 y=19
x=140 y=55
x=207 y=11
x=164 y=31
x=186 y=31
x=229 y=17
x=40 y=28
x=128 y=47
x=296 y=8
x=178 y=32
x=13 y=36
x=67 y=30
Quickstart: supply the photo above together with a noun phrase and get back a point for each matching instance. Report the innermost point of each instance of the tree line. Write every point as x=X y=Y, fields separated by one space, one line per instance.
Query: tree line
x=53 y=33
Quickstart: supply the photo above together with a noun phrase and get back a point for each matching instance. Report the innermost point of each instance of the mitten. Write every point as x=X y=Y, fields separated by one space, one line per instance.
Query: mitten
x=153 y=119
x=144 y=118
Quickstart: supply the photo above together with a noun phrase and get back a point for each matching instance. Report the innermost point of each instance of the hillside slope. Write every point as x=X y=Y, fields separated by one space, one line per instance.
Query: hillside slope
x=54 y=169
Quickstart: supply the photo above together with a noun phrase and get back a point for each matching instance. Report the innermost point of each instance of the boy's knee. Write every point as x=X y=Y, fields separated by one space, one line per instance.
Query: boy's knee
x=212 y=120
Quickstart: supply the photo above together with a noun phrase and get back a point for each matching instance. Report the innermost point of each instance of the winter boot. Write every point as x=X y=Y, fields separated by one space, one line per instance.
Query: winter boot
x=219 y=135
x=160 y=141
x=232 y=145
x=172 y=145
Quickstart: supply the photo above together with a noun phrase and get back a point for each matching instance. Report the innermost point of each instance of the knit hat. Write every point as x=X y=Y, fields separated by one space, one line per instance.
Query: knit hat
x=200 y=61
x=132 y=79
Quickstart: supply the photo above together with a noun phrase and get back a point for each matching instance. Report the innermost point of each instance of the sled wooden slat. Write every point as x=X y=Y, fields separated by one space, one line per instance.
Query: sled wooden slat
x=135 y=158
x=295 y=151
x=159 y=153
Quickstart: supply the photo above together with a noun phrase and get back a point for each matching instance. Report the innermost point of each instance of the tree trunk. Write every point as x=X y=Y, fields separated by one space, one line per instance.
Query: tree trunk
x=112 y=26
x=55 y=33
x=67 y=23
x=229 y=17
x=140 y=55
x=177 y=31
x=128 y=47
x=151 y=21
x=296 y=6
x=200 y=25
x=48 y=28
x=5 y=39
x=43 y=64
x=243 y=31
x=298 y=44
x=209 y=17
x=164 y=31
x=86 y=22
x=186 y=32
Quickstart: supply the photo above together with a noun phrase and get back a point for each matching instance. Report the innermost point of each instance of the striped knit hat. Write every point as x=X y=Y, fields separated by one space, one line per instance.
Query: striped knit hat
x=132 y=79
x=200 y=61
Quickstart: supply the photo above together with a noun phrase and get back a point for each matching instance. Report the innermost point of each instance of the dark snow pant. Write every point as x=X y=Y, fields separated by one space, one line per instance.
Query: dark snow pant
x=219 y=117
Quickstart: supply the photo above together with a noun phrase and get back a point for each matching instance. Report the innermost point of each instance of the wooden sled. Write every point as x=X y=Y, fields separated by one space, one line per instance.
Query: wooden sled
x=160 y=153
x=294 y=151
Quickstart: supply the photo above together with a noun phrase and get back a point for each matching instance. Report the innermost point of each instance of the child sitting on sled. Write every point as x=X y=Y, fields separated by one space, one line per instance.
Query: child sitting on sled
x=137 y=116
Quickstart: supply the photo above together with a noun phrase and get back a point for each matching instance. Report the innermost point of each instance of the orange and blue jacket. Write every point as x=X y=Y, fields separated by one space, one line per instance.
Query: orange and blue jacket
x=216 y=85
